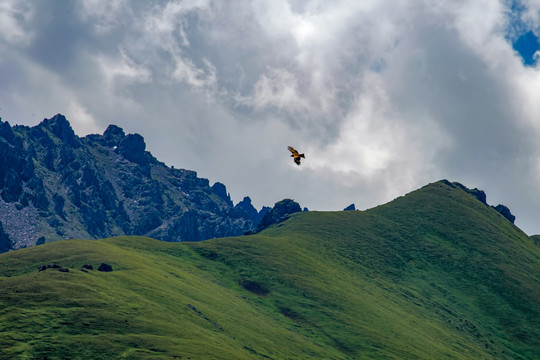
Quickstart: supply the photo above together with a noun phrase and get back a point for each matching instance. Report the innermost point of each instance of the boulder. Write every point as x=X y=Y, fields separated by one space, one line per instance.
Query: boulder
x=105 y=267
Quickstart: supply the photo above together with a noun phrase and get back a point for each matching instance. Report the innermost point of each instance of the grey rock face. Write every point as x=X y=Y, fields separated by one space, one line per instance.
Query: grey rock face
x=246 y=206
x=5 y=242
x=56 y=185
x=505 y=211
x=350 y=207
x=280 y=212
x=132 y=148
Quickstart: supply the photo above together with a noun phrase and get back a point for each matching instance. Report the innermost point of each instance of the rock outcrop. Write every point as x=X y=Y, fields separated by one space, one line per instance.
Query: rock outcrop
x=477 y=193
x=505 y=211
x=481 y=196
x=350 y=207
x=280 y=212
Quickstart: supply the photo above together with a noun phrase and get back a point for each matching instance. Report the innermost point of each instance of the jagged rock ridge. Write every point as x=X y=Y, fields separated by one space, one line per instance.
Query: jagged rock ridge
x=481 y=196
x=56 y=185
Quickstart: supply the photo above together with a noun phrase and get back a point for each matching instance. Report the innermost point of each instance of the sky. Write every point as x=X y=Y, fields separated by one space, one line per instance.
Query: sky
x=382 y=96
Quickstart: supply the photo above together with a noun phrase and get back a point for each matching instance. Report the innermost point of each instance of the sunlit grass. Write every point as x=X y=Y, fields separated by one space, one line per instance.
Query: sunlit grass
x=433 y=275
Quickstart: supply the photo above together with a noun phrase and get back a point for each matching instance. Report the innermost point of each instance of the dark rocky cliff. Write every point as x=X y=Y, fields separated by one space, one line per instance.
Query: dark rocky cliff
x=56 y=185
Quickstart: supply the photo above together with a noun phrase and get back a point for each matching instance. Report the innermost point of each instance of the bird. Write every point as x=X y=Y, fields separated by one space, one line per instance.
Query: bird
x=296 y=155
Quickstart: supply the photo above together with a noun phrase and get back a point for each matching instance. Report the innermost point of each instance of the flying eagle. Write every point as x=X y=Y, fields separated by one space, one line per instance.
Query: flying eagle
x=296 y=155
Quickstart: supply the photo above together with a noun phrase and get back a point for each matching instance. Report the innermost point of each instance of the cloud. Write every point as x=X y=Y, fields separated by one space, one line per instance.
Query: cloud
x=277 y=88
x=122 y=69
x=105 y=15
x=165 y=30
x=531 y=13
x=119 y=73
x=81 y=120
x=15 y=17
x=382 y=96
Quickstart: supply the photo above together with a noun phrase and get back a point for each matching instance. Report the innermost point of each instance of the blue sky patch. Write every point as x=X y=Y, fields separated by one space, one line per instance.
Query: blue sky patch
x=520 y=33
x=526 y=45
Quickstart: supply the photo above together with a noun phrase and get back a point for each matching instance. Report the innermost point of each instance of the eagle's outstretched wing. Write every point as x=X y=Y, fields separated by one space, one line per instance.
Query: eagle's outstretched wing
x=293 y=151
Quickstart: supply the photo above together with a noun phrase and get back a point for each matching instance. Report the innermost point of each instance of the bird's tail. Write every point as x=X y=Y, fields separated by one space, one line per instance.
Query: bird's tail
x=302 y=155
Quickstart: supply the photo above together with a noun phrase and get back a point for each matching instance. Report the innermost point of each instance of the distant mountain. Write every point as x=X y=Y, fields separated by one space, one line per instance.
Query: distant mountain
x=434 y=274
x=55 y=185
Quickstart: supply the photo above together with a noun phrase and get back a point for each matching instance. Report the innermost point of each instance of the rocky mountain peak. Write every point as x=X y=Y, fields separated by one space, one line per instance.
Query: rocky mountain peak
x=247 y=207
x=60 y=127
x=113 y=135
x=55 y=185
x=221 y=191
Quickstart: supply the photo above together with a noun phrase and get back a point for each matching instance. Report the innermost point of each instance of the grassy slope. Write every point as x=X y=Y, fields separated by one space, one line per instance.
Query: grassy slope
x=435 y=274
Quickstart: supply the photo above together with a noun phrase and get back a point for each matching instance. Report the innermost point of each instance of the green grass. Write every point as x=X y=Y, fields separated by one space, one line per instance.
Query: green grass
x=435 y=274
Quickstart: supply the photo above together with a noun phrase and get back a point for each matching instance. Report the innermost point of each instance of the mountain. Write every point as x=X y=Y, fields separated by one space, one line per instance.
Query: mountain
x=55 y=185
x=435 y=274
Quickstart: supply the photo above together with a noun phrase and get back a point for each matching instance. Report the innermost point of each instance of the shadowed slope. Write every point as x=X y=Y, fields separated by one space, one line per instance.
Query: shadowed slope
x=434 y=274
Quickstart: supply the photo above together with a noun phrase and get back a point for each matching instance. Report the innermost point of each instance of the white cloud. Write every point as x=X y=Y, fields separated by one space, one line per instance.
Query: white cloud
x=185 y=71
x=277 y=88
x=531 y=15
x=105 y=15
x=40 y=93
x=169 y=20
x=81 y=120
x=165 y=29
x=376 y=141
x=119 y=73
x=122 y=69
x=14 y=18
x=383 y=96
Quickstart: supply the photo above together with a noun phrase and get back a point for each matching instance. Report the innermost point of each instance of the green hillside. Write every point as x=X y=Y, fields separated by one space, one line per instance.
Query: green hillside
x=435 y=274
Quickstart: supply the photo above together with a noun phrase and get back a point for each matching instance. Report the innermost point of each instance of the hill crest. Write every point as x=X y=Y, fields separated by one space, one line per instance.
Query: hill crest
x=433 y=274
